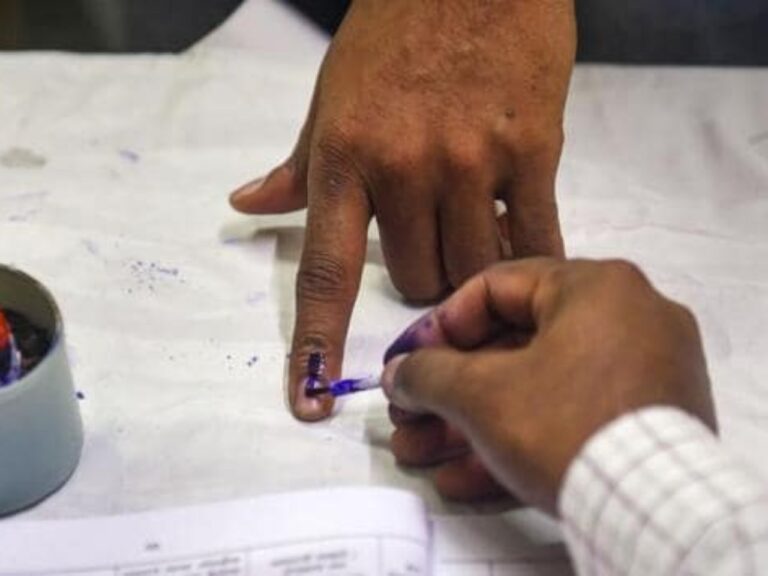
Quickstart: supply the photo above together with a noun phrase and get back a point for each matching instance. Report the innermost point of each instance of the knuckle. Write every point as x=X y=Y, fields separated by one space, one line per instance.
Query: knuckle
x=333 y=146
x=302 y=349
x=334 y=142
x=530 y=140
x=308 y=342
x=555 y=279
x=322 y=277
x=482 y=391
x=623 y=272
x=413 y=378
x=687 y=319
x=464 y=157
x=401 y=159
x=409 y=373
x=335 y=163
x=470 y=374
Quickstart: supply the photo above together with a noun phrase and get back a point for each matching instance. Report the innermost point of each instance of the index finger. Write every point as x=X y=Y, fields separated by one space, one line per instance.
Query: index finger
x=328 y=278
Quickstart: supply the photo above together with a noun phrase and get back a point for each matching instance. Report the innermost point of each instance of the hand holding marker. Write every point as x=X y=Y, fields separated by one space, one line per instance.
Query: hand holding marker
x=421 y=333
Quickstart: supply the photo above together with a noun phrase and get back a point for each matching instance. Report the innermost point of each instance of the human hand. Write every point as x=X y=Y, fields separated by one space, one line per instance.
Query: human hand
x=423 y=114
x=527 y=361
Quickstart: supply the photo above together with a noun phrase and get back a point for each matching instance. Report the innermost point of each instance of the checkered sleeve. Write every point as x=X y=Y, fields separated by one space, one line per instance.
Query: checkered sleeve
x=654 y=492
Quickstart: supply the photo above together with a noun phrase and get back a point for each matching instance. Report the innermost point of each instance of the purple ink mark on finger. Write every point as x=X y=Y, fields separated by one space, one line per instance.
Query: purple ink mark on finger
x=315 y=374
x=416 y=335
x=316 y=364
x=345 y=386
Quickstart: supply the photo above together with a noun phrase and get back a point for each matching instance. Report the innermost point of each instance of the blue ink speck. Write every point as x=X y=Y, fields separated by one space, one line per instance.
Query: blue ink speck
x=166 y=271
x=129 y=155
x=91 y=246
x=80 y=395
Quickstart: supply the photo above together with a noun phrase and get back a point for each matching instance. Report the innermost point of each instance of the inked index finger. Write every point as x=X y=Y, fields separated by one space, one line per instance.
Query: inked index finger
x=328 y=278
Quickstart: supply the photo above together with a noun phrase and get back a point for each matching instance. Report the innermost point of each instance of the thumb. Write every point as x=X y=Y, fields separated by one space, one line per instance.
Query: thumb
x=440 y=381
x=282 y=190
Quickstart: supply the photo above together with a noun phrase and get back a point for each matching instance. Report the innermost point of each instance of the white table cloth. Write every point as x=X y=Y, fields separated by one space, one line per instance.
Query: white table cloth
x=114 y=174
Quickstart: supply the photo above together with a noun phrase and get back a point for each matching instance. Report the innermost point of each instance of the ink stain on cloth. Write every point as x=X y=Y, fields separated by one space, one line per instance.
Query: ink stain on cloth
x=129 y=155
x=23 y=207
x=149 y=276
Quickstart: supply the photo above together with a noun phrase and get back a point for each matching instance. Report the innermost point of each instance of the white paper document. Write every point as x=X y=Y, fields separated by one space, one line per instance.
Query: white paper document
x=329 y=532
x=333 y=532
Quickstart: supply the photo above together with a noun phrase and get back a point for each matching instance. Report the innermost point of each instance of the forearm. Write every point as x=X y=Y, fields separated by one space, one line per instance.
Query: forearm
x=656 y=493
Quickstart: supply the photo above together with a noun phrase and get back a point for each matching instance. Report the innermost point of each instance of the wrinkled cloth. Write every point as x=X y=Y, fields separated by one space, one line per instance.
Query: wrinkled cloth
x=114 y=173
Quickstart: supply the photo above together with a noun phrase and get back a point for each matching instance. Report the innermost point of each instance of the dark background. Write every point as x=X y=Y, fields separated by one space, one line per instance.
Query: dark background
x=630 y=31
x=109 y=25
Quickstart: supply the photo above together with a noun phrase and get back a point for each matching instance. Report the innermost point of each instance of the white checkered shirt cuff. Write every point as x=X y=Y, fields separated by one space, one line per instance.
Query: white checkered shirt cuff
x=654 y=492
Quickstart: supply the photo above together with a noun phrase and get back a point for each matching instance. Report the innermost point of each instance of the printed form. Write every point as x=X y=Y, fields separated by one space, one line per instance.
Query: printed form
x=334 y=532
x=330 y=532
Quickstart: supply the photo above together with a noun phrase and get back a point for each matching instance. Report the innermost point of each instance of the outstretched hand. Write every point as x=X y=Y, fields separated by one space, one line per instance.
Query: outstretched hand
x=424 y=114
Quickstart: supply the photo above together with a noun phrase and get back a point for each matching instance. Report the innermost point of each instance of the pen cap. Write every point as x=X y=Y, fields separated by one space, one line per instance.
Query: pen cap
x=41 y=432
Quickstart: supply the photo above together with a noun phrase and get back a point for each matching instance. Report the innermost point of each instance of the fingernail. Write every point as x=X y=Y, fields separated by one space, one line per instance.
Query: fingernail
x=388 y=376
x=310 y=408
x=419 y=334
x=246 y=190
